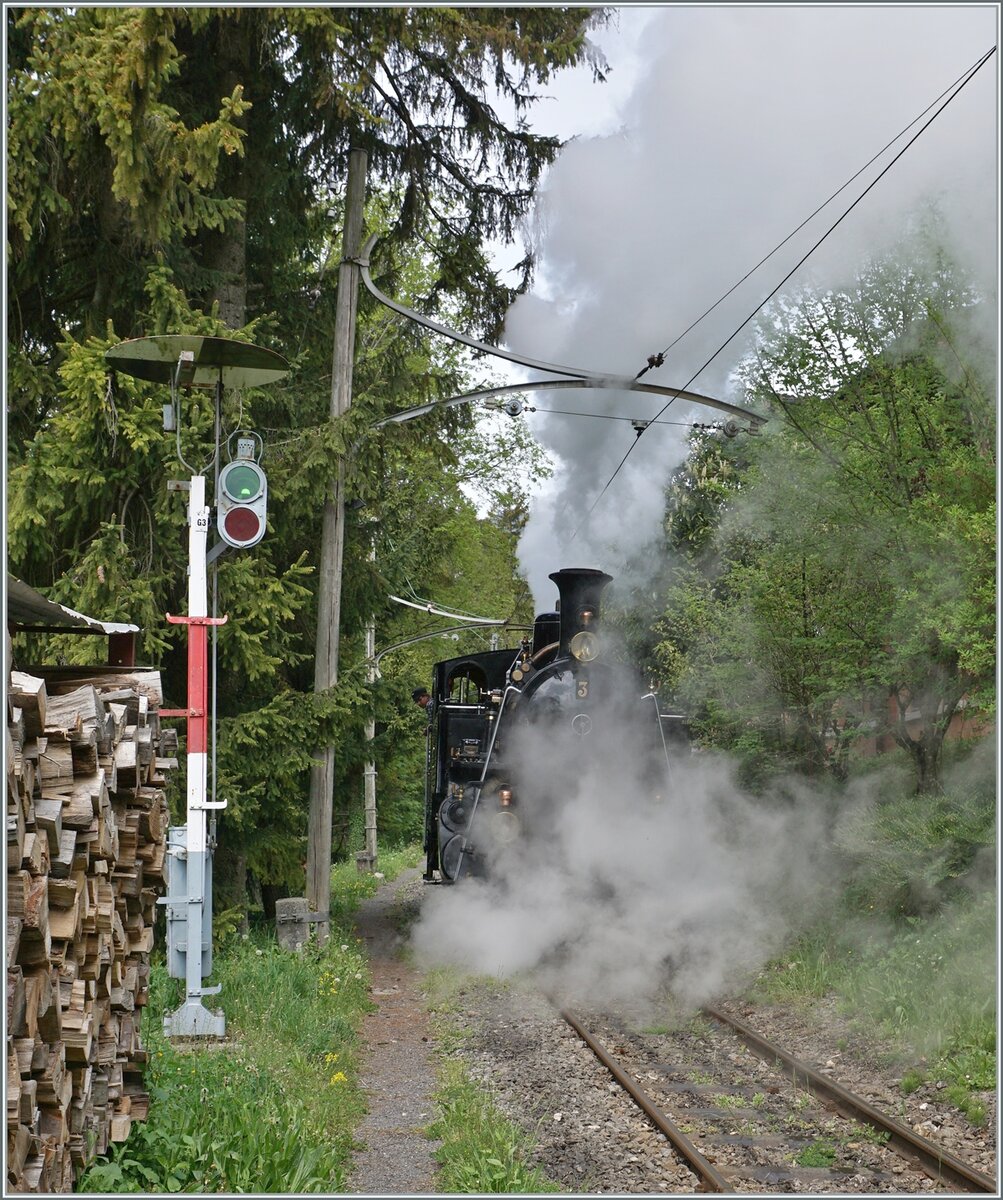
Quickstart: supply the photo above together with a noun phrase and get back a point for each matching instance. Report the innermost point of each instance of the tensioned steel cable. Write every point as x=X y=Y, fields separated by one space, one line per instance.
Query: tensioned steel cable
x=964 y=80
x=656 y=360
x=637 y=421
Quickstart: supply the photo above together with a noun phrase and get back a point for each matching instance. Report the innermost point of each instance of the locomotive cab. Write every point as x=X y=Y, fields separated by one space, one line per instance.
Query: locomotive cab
x=467 y=693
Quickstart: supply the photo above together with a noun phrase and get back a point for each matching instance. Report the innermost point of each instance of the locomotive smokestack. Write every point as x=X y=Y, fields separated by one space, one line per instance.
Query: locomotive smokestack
x=580 y=589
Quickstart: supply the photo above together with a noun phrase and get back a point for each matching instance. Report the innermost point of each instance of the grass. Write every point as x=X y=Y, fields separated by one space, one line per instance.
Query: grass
x=482 y=1152
x=910 y=950
x=821 y=1153
x=272 y=1109
x=350 y=886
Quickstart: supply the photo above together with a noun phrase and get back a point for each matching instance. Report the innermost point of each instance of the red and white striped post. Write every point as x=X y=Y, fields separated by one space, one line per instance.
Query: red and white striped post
x=192 y=1018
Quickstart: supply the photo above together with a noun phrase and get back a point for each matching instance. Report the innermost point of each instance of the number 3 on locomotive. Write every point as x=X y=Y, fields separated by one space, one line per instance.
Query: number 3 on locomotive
x=583 y=689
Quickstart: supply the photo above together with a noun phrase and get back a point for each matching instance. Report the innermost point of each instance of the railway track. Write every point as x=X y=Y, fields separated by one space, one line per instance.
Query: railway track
x=746 y=1116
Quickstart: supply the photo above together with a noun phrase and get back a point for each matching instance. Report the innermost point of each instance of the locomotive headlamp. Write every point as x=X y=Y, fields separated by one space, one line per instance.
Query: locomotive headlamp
x=505 y=827
x=586 y=615
x=585 y=646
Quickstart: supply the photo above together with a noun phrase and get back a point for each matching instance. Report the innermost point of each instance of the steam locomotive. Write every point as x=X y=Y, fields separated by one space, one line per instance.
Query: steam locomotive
x=515 y=733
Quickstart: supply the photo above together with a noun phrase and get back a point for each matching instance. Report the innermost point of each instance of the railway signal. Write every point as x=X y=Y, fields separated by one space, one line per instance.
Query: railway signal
x=185 y=361
x=242 y=503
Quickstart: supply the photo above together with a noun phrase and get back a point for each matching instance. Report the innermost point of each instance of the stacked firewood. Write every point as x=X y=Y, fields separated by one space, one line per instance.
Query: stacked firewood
x=87 y=823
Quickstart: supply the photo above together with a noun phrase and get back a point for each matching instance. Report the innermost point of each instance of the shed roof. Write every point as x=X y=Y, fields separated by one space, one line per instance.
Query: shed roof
x=27 y=607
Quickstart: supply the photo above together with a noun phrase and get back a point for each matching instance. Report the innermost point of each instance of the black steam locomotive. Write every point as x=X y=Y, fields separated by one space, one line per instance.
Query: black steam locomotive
x=515 y=733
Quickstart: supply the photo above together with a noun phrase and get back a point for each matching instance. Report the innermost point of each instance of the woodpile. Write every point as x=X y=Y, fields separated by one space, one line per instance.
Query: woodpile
x=87 y=823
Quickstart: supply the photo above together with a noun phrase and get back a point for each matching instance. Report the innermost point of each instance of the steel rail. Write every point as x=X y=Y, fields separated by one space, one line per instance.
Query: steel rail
x=712 y=1179
x=932 y=1159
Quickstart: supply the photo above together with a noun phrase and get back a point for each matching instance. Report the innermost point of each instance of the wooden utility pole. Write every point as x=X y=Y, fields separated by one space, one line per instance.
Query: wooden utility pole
x=318 y=859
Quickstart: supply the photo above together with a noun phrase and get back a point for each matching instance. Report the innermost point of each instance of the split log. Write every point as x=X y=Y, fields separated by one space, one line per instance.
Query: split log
x=49 y=819
x=28 y=693
x=56 y=765
x=16 y=1003
x=111 y=682
x=35 y=856
x=13 y=939
x=16 y=834
x=62 y=863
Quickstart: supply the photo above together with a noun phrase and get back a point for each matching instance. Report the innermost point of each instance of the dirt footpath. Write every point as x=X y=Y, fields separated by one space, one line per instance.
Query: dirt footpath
x=398 y=1070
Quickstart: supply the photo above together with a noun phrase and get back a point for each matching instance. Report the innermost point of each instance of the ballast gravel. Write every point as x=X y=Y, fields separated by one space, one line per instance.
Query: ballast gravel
x=825 y=1039
x=589 y=1135
x=586 y=1133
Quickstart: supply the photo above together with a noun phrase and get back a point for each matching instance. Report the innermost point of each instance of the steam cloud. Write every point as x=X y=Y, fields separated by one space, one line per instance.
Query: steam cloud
x=741 y=121
x=619 y=887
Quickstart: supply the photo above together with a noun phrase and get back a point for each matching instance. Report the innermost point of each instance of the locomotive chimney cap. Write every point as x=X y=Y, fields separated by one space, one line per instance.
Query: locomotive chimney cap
x=593 y=571
x=590 y=575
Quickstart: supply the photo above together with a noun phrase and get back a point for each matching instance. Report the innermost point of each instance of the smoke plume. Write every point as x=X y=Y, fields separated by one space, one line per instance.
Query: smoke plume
x=620 y=885
x=741 y=121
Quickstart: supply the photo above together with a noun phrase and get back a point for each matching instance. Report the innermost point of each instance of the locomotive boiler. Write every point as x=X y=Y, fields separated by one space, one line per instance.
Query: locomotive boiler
x=515 y=733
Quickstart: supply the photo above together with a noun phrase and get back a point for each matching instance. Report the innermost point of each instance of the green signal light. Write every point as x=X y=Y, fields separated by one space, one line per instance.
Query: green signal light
x=242 y=482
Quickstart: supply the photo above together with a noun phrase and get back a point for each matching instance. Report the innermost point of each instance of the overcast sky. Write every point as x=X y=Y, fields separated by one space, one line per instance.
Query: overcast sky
x=719 y=130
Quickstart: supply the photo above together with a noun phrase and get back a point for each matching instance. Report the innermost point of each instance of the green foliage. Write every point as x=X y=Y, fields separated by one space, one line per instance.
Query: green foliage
x=911 y=858
x=911 y=1081
x=842 y=559
x=349 y=886
x=207 y=137
x=273 y=1109
x=230 y=1148
x=482 y=1152
x=169 y=181
x=909 y=950
x=819 y=1153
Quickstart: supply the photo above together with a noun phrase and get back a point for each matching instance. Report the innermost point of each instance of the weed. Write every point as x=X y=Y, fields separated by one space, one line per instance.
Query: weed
x=821 y=1153
x=350 y=886
x=912 y=1081
x=809 y=968
x=961 y=1097
x=923 y=985
x=867 y=1133
x=481 y=1151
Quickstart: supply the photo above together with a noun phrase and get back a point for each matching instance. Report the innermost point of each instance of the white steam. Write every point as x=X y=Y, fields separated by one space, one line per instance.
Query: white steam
x=619 y=889
x=740 y=122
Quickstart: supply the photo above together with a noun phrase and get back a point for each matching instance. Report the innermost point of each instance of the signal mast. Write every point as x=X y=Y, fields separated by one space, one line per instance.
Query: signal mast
x=241 y=496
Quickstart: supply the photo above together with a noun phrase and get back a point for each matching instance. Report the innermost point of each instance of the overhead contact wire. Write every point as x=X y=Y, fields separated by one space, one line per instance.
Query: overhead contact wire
x=965 y=79
x=780 y=245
